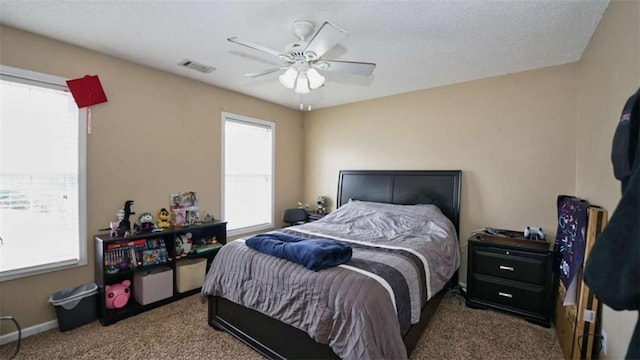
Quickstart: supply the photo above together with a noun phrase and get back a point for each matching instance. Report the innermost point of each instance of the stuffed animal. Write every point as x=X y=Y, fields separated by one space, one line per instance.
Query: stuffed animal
x=146 y=222
x=183 y=244
x=322 y=205
x=186 y=245
x=163 y=219
x=117 y=295
x=178 y=243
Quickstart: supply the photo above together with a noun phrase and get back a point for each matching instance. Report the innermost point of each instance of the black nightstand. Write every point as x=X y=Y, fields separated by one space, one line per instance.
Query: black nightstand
x=315 y=216
x=511 y=277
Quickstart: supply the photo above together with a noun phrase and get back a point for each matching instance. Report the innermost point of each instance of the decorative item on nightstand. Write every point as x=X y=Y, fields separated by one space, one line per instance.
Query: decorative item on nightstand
x=322 y=205
x=533 y=233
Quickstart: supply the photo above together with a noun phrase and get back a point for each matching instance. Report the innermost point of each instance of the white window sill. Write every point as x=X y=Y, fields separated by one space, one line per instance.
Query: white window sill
x=39 y=270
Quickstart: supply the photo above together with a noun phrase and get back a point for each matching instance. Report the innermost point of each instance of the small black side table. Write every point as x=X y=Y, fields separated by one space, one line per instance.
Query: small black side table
x=508 y=275
x=315 y=216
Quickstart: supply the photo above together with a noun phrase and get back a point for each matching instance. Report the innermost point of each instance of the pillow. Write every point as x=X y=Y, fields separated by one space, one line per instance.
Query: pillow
x=380 y=206
x=424 y=201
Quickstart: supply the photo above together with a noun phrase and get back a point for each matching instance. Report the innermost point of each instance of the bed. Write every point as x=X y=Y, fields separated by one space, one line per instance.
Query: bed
x=282 y=310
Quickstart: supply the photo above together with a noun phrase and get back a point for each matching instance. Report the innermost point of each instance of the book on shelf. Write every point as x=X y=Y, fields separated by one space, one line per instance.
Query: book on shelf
x=122 y=244
x=134 y=253
x=154 y=256
x=208 y=248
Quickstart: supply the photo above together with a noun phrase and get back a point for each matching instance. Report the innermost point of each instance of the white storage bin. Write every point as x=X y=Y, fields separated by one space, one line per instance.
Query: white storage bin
x=153 y=285
x=190 y=274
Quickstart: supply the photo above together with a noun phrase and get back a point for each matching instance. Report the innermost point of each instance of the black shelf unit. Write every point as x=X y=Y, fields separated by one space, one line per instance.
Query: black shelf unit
x=103 y=242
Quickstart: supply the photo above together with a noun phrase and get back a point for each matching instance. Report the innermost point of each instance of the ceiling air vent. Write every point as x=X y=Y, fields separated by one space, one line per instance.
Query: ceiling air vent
x=197 y=66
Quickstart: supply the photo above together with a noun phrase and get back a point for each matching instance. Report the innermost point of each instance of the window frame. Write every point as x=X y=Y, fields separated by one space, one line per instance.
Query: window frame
x=226 y=116
x=34 y=78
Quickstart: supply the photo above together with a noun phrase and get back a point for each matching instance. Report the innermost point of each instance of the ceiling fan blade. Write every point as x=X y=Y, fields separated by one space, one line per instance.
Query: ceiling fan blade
x=326 y=38
x=351 y=67
x=252 y=45
x=262 y=73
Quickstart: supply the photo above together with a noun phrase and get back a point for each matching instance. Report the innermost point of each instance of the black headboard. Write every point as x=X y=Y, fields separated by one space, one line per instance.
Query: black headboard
x=405 y=187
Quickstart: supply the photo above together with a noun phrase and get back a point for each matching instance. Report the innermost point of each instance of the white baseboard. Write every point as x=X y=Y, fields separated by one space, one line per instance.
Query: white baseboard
x=36 y=329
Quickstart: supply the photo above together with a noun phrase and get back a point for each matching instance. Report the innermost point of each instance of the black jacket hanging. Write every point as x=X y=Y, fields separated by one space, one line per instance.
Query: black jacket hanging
x=613 y=267
x=625 y=140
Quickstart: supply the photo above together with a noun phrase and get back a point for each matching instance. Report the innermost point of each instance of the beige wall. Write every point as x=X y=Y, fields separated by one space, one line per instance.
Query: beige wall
x=514 y=138
x=609 y=74
x=159 y=133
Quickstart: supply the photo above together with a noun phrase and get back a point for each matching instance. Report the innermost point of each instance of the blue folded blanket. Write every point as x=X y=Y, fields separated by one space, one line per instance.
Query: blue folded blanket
x=314 y=254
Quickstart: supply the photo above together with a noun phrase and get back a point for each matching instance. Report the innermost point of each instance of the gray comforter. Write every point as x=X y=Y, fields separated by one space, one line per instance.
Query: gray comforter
x=402 y=256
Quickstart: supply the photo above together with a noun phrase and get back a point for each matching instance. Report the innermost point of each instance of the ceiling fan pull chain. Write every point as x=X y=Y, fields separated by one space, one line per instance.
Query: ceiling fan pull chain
x=302 y=102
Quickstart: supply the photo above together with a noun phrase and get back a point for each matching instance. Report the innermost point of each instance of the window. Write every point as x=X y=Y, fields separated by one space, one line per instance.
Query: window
x=42 y=175
x=247 y=175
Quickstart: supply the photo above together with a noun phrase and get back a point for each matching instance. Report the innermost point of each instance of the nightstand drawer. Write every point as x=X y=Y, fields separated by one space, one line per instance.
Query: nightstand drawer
x=520 y=297
x=315 y=216
x=512 y=265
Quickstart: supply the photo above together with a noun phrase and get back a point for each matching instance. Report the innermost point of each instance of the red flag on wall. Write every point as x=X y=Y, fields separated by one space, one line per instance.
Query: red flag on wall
x=87 y=91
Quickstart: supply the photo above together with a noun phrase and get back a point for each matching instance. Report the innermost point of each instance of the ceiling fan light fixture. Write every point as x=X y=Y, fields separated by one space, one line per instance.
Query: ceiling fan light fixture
x=315 y=79
x=304 y=59
x=302 y=85
x=288 y=79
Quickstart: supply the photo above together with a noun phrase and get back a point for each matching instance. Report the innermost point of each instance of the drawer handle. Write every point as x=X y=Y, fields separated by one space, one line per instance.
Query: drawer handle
x=507 y=295
x=510 y=268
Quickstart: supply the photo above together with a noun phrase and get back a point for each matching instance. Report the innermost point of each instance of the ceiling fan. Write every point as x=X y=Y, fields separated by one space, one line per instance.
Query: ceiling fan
x=302 y=60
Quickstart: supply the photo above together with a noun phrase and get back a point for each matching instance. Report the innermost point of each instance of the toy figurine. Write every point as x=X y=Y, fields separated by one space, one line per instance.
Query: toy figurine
x=115 y=225
x=192 y=217
x=124 y=227
x=163 y=219
x=146 y=223
x=207 y=217
x=189 y=199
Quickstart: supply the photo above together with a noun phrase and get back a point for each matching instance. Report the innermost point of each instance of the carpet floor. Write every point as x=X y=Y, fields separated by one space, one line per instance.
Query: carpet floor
x=180 y=331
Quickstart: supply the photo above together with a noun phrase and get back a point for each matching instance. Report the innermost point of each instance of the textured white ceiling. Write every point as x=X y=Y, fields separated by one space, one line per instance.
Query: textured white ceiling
x=415 y=44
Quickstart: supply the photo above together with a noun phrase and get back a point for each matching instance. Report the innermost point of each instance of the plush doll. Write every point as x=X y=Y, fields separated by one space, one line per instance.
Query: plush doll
x=146 y=222
x=178 y=242
x=183 y=244
x=117 y=295
x=322 y=205
x=186 y=245
x=163 y=219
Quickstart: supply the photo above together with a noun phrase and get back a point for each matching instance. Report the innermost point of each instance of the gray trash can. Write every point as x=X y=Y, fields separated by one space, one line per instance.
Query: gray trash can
x=76 y=306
